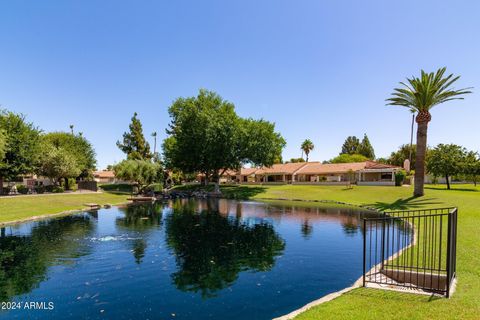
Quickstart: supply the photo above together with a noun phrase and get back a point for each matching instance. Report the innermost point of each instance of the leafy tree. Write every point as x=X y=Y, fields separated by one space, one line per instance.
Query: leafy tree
x=207 y=136
x=77 y=146
x=398 y=157
x=134 y=144
x=306 y=147
x=420 y=95
x=446 y=160
x=348 y=158
x=351 y=145
x=3 y=144
x=366 y=149
x=295 y=160
x=21 y=147
x=142 y=172
x=56 y=163
x=471 y=167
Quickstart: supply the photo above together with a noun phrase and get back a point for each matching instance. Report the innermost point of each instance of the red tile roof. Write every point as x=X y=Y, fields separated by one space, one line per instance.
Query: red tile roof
x=378 y=165
x=320 y=168
x=282 y=168
x=104 y=174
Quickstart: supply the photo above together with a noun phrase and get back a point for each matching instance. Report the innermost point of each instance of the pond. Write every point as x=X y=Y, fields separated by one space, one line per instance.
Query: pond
x=183 y=259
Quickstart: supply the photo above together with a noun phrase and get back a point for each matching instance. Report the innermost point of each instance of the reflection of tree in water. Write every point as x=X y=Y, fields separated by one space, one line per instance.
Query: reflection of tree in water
x=211 y=249
x=350 y=227
x=307 y=229
x=24 y=260
x=140 y=218
x=139 y=246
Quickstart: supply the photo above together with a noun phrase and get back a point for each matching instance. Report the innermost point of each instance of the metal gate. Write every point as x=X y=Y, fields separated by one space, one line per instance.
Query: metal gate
x=413 y=249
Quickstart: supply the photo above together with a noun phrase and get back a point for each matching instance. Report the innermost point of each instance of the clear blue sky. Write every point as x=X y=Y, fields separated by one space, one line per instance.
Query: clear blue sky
x=318 y=69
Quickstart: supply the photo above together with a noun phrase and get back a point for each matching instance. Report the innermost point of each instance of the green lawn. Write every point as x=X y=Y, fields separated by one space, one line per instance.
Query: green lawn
x=23 y=207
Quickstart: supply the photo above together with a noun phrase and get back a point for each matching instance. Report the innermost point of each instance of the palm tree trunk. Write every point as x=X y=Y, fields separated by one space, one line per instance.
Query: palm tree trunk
x=420 y=158
x=411 y=141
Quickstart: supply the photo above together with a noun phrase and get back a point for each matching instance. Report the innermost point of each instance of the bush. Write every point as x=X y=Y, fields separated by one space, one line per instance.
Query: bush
x=40 y=189
x=399 y=177
x=49 y=188
x=22 y=189
x=58 y=190
x=155 y=187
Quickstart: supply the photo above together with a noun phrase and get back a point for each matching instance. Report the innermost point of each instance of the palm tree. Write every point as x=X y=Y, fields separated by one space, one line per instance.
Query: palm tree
x=306 y=147
x=71 y=128
x=154 y=135
x=420 y=95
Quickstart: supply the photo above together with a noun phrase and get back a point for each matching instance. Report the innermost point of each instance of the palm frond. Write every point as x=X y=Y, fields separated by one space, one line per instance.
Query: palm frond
x=424 y=92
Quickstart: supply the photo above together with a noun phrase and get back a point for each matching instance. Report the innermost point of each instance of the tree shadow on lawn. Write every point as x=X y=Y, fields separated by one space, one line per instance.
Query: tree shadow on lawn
x=404 y=204
x=453 y=189
x=241 y=192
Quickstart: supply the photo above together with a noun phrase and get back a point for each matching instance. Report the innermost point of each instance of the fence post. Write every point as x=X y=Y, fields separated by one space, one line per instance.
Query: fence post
x=364 y=248
x=449 y=246
x=382 y=246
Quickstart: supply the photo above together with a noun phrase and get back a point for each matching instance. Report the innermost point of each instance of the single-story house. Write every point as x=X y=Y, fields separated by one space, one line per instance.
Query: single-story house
x=362 y=173
x=278 y=173
x=105 y=176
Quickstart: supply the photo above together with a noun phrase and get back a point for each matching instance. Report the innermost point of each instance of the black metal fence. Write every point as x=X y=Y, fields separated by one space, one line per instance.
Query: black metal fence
x=413 y=249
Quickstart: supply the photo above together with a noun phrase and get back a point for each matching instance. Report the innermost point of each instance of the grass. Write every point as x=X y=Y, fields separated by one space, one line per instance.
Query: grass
x=24 y=207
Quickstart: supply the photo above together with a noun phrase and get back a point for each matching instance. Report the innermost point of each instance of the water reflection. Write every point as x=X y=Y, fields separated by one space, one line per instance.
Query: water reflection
x=306 y=229
x=25 y=259
x=140 y=218
x=211 y=249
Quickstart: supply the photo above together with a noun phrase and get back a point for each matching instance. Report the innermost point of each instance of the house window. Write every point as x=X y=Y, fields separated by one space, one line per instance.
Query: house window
x=386 y=176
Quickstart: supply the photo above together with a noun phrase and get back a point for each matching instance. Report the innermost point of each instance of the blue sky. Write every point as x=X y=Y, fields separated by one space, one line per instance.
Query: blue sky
x=318 y=69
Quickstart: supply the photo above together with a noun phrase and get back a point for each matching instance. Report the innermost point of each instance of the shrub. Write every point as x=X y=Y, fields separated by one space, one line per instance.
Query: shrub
x=399 y=177
x=49 y=188
x=22 y=189
x=58 y=189
x=40 y=189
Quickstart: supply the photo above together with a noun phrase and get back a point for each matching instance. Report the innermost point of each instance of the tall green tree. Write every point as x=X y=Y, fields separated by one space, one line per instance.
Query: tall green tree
x=21 y=147
x=420 y=95
x=307 y=146
x=3 y=144
x=207 y=136
x=77 y=146
x=351 y=145
x=471 y=167
x=446 y=160
x=365 y=148
x=398 y=157
x=348 y=158
x=56 y=163
x=134 y=144
x=141 y=172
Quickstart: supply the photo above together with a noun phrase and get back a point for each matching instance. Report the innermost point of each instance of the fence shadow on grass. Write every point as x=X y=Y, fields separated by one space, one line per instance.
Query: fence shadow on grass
x=404 y=204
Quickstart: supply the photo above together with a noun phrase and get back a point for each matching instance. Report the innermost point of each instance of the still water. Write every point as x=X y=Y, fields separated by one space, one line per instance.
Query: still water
x=184 y=259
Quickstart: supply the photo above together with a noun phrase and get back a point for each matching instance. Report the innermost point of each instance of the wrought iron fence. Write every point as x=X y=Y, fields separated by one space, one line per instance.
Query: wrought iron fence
x=413 y=249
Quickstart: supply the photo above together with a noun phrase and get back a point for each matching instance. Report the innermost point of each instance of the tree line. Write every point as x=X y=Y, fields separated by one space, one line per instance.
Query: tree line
x=26 y=149
x=205 y=135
